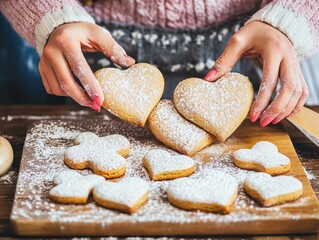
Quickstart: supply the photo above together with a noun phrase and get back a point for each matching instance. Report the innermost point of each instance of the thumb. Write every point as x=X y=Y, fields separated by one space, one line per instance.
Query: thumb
x=233 y=51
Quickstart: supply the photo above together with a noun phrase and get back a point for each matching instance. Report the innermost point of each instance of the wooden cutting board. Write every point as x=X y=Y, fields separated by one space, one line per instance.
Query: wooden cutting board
x=34 y=214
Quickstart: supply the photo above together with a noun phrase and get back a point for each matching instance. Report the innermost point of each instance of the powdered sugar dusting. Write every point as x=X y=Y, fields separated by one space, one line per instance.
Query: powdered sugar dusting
x=264 y=153
x=43 y=156
x=143 y=81
x=74 y=185
x=127 y=191
x=161 y=161
x=176 y=129
x=100 y=153
x=269 y=187
x=216 y=188
x=229 y=99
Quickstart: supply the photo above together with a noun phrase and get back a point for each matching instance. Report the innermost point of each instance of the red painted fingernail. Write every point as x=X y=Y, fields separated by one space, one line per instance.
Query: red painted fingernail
x=95 y=107
x=210 y=75
x=276 y=120
x=97 y=100
x=255 y=116
x=264 y=122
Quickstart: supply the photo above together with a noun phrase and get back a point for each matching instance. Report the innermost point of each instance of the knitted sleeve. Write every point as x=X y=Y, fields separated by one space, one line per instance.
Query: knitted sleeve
x=35 y=20
x=298 y=19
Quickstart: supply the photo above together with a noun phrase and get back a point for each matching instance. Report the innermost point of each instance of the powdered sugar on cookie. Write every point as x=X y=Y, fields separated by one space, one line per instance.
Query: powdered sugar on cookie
x=175 y=131
x=264 y=154
x=72 y=187
x=101 y=155
x=218 y=189
x=269 y=187
x=128 y=192
x=131 y=94
x=163 y=165
x=217 y=107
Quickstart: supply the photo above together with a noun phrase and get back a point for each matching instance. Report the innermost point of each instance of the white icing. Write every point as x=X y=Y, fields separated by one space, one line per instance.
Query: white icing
x=176 y=129
x=216 y=188
x=161 y=161
x=127 y=191
x=264 y=153
x=73 y=184
x=98 y=152
x=270 y=187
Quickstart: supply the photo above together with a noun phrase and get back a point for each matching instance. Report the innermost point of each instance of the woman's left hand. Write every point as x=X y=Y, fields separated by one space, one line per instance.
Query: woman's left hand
x=264 y=43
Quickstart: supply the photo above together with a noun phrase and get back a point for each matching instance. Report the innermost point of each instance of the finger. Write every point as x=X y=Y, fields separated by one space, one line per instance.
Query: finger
x=290 y=106
x=44 y=79
x=53 y=81
x=304 y=95
x=287 y=88
x=233 y=51
x=106 y=44
x=69 y=85
x=81 y=69
x=268 y=85
x=295 y=96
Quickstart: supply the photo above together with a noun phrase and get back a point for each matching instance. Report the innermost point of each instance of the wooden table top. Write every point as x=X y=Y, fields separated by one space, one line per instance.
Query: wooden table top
x=13 y=126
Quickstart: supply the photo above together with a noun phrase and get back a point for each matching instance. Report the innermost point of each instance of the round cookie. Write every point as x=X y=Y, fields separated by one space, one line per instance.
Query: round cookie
x=263 y=157
x=215 y=193
x=169 y=127
x=218 y=107
x=6 y=156
x=131 y=94
x=270 y=191
x=163 y=166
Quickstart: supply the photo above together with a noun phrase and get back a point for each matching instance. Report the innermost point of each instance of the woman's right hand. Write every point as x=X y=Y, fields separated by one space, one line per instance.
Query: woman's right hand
x=63 y=56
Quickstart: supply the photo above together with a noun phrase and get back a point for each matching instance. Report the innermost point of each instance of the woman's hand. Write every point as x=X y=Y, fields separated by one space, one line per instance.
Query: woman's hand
x=63 y=56
x=264 y=43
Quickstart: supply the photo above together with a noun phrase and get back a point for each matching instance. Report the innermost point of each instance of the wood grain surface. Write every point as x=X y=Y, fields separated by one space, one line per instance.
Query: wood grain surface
x=13 y=125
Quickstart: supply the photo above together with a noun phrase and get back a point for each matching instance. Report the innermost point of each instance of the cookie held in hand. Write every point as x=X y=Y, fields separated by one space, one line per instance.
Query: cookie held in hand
x=126 y=195
x=73 y=188
x=161 y=165
x=263 y=157
x=176 y=132
x=218 y=107
x=269 y=191
x=131 y=94
x=215 y=193
x=103 y=155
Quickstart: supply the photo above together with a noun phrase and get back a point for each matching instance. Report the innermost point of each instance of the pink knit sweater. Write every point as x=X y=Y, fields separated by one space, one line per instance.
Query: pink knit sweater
x=35 y=20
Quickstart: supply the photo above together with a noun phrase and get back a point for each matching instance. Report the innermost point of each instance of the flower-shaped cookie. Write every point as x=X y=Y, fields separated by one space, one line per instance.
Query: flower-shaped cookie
x=72 y=187
x=126 y=195
x=103 y=155
x=163 y=166
x=263 y=157
x=270 y=190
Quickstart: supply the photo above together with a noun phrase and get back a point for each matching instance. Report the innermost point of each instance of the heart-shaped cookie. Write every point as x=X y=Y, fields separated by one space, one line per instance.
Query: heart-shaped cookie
x=163 y=166
x=126 y=195
x=172 y=129
x=131 y=94
x=214 y=193
x=218 y=107
x=270 y=190
x=263 y=157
